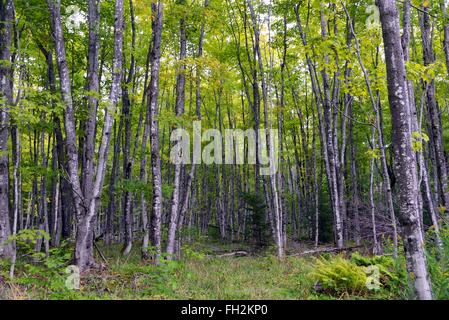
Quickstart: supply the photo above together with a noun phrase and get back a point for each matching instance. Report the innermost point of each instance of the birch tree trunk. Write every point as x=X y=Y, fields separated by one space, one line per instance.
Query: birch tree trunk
x=143 y=175
x=69 y=121
x=93 y=87
x=198 y=99
x=444 y=8
x=85 y=230
x=354 y=182
x=6 y=26
x=377 y=107
x=65 y=194
x=405 y=161
x=417 y=127
x=153 y=96
x=433 y=109
x=326 y=132
x=180 y=105
x=331 y=147
x=275 y=171
x=376 y=249
x=127 y=160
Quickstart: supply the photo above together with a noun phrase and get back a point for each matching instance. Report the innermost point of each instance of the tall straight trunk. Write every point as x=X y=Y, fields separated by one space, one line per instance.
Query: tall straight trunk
x=87 y=144
x=433 y=109
x=255 y=103
x=281 y=177
x=386 y=175
x=44 y=225
x=17 y=192
x=55 y=214
x=153 y=96
x=316 y=183
x=93 y=88
x=34 y=185
x=220 y=175
x=143 y=176
x=354 y=181
x=180 y=106
x=69 y=120
x=6 y=92
x=444 y=8
x=85 y=230
x=198 y=68
x=376 y=248
x=276 y=200
x=66 y=196
x=326 y=132
x=188 y=195
x=340 y=149
x=380 y=133
x=416 y=126
x=198 y=99
x=348 y=101
x=275 y=172
x=127 y=161
x=303 y=202
x=331 y=147
x=112 y=201
x=405 y=161
x=17 y=221
x=342 y=158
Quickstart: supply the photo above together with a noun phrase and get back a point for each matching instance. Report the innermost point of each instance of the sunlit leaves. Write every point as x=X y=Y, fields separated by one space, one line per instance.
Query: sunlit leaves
x=418 y=141
x=373 y=154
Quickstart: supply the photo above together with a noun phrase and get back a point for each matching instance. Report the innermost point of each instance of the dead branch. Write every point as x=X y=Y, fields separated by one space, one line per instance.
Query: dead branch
x=233 y=254
x=324 y=250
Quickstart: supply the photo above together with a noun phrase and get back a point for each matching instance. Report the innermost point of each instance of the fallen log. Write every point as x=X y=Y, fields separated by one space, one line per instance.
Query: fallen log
x=232 y=254
x=324 y=250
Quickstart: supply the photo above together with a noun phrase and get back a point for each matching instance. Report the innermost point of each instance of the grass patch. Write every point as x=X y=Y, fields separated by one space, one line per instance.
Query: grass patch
x=201 y=275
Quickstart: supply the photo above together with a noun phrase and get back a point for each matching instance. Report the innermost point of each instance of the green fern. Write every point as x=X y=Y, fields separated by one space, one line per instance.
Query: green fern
x=339 y=276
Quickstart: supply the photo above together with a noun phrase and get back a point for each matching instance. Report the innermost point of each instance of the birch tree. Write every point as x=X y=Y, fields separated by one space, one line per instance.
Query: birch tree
x=6 y=99
x=405 y=161
x=153 y=96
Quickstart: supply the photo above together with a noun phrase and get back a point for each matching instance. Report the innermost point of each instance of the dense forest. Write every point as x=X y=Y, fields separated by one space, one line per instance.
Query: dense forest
x=224 y=149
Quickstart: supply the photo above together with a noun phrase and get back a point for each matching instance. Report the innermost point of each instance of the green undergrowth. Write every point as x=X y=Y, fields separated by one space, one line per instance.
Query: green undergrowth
x=200 y=274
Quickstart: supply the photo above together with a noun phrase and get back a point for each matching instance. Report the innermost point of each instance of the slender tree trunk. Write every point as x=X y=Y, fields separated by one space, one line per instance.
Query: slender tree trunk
x=316 y=184
x=143 y=176
x=379 y=127
x=157 y=11
x=66 y=197
x=444 y=8
x=180 y=105
x=354 y=181
x=85 y=230
x=433 y=109
x=376 y=250
x=69 y=120
x=127 y=161
x=326 y=132
x=6 y=92
x=17 y=203
x=331 y=147
x=198 y=99
x=416 y=127
x=115 y=171
x=93 y=88
x=275 y=170
x=44 y=226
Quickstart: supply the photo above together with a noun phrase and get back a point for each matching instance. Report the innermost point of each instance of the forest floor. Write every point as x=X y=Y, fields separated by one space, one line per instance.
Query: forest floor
x=203 y=274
